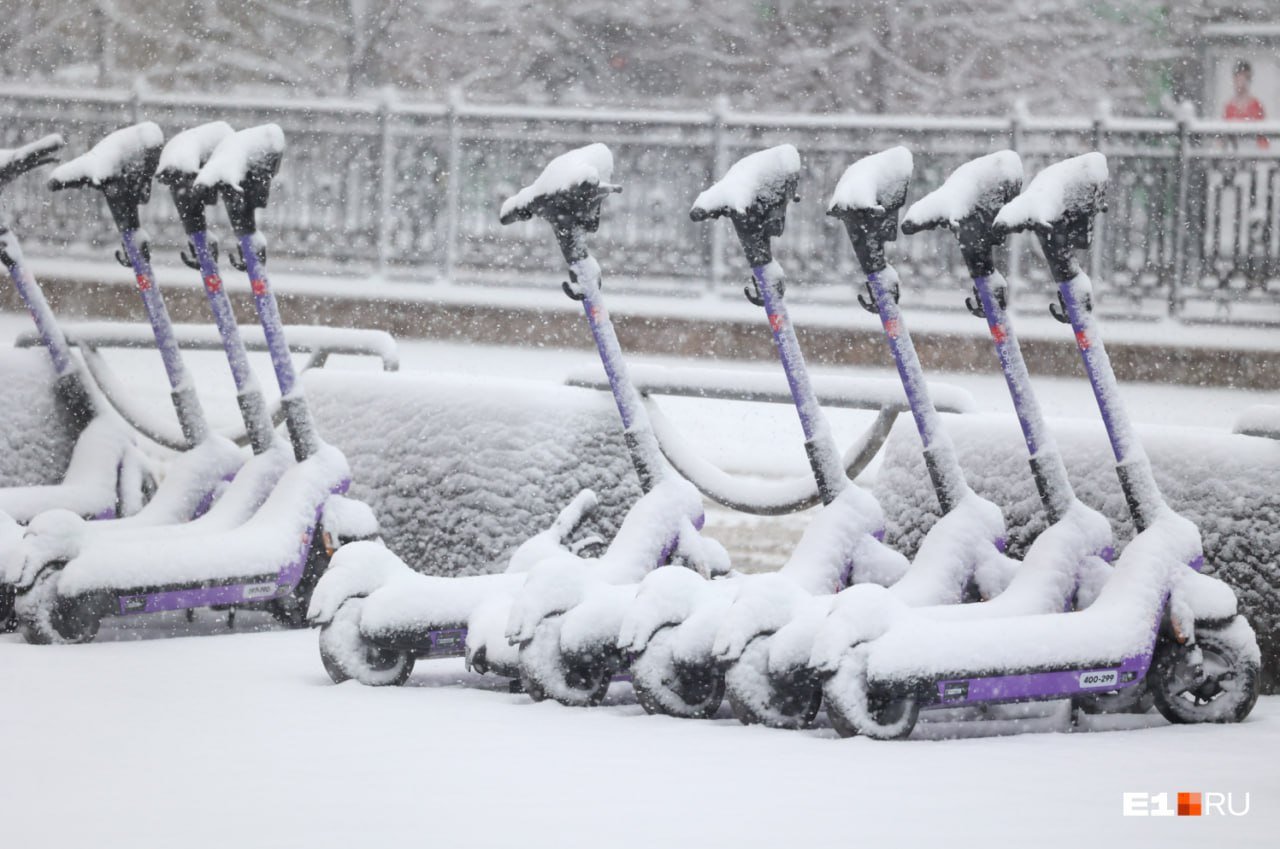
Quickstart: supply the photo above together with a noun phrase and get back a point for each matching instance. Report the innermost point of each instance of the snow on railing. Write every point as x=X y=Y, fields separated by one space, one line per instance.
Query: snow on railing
x=406 y=189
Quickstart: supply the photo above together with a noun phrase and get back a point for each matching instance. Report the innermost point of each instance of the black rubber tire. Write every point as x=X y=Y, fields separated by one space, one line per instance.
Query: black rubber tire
x=1209 y=701
x=347 y=655
x=45 y=618
x=8 y=620
x=666 y=688
x=789 y=703
x=546 y=673
x=854 y=711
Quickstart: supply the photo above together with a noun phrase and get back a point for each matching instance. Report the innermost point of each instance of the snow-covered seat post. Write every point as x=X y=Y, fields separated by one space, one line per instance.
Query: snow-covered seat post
x=867 y=200
x=1059 y=206
x=568 y=195
x=240 y=171
x=967 y=204
x=180 y=164
x=754 y=195
x=121 y=166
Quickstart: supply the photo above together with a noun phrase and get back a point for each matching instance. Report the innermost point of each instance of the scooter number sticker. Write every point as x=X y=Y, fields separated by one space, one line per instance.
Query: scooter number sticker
x=259 y=590
x=1100 y=678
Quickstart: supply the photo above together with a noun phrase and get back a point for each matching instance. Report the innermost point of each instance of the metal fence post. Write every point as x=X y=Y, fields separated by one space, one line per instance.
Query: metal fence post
x=1180 y=222
x=386 y=180
x=720 y=163
x=453 y=177
x=135 y=99
x=1101 y=230
x=1016 y=117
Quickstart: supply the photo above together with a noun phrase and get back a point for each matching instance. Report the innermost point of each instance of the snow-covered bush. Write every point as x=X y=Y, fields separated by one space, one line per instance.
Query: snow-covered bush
x=460 y=471
x=35 y=445
x=1229 y=485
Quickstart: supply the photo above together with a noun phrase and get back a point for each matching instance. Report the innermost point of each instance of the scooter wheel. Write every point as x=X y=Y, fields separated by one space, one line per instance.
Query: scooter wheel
x=663 y=686
x=347 y=655
x=545 y=672
x=45 y=618
x=760 y=698
x=854 y=710
x=8 y=622
x=1213 y=680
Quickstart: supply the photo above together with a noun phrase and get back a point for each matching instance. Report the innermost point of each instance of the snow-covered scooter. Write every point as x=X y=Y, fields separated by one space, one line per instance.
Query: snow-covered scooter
x=187 y=491
x=377 y=615
x=1156 y=622
x=754 y=629
x=272 y=559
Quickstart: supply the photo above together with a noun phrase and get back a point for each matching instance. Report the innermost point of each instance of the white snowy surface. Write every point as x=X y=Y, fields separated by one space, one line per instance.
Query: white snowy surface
x=190 y=149
x=965 y=188
x=105 y=159
x=1058 y=188
x=760 y=175
x=232 y=158
x=256 y=719
x=592 y=165
x=874 y=182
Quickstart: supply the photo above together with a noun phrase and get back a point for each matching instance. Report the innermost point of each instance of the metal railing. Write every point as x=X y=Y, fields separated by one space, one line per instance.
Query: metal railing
x=412 y=190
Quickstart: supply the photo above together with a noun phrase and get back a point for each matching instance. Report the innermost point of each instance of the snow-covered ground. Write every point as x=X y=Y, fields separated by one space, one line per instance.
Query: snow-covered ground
x=239 y=738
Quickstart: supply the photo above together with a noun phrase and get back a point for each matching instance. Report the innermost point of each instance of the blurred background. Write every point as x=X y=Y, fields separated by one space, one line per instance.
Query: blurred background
x=410 y=120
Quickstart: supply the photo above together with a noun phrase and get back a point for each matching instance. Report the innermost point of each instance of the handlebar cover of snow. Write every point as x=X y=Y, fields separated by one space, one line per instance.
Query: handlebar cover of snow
x=1059 y=205
x=180 y=164
x=967 y=203
x=240 y=170
x=17 y=161
x=867 y=200
x=121 y=165
x=754 y=194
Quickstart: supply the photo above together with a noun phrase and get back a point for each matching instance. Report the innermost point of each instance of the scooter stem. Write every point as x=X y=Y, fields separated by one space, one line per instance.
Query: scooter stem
x=637 y=431
x=819 y=445
x=1047 y=467
x=302 y=430
x=1132 y=466
x=939 y=452
x=190 y=415
x=248 y=393
x=73 y=399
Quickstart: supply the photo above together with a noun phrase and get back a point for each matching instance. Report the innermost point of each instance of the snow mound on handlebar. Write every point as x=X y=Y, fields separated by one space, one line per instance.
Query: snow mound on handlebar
x=44 y=148
x=874 y=182
x=232 y=159
x=761 y=176
x=109 y=157
x=973 y=185
x=592 y=165
x=1066 y=187
x=189 y=150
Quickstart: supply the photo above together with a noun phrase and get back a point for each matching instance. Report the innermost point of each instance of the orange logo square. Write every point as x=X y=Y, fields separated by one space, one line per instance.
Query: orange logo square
x=1188 y=804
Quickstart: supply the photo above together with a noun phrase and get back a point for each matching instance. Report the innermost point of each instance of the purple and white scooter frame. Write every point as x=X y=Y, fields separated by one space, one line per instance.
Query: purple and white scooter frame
x=126 y=189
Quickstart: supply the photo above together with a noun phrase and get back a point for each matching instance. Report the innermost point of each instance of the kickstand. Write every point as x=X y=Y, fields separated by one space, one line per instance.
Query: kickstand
x=231 y=618
x=191 y=614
